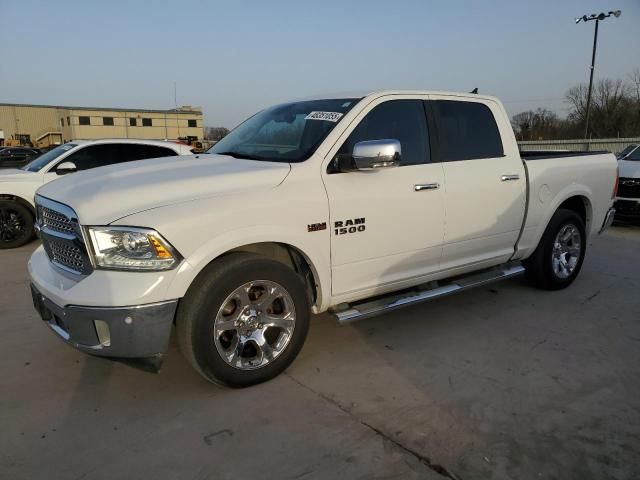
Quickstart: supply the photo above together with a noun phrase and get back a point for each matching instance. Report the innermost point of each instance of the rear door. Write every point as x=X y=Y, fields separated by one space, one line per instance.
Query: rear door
x=485 y=190
x=385 y=230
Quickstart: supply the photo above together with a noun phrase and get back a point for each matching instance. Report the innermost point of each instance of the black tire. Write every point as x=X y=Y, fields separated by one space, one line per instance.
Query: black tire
x=16 y=224
x=197 y=313
x=539 y=266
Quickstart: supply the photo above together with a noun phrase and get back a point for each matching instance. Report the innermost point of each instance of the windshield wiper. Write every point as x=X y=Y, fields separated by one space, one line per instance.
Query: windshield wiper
x=243 y=156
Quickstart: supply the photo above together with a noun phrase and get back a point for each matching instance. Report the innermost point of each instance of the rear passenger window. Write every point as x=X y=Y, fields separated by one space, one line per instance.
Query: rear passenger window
x=466 y=131
x=132 y=151
x=402 y=120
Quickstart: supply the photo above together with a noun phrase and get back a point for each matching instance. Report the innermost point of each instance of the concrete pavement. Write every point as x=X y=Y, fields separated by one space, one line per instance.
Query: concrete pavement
x=500 y=382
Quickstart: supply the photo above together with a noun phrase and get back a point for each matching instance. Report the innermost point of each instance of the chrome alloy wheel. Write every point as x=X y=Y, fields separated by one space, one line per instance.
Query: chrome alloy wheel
x=254 y=324
x=566 y=251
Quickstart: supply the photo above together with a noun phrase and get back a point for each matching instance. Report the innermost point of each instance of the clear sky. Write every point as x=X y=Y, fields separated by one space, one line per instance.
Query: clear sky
x=236 y=57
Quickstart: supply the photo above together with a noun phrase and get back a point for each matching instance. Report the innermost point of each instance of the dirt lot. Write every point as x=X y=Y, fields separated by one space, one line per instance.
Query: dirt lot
x=500 y=382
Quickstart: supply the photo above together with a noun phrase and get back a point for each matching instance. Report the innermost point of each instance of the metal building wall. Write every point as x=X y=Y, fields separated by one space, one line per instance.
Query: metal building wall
x=36 y=120
x=32 y=121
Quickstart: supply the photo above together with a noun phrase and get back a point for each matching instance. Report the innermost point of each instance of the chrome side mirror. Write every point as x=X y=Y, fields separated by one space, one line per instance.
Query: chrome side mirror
x=66 y=167
x=374 y=154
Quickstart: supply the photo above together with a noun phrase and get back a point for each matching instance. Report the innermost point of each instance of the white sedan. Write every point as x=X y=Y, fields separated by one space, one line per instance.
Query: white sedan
x=18 y=187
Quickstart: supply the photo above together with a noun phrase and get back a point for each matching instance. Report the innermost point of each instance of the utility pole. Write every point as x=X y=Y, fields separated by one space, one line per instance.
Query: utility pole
x=598 y=18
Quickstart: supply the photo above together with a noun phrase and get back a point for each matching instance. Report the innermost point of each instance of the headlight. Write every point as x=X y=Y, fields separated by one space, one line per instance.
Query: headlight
x=128 y=248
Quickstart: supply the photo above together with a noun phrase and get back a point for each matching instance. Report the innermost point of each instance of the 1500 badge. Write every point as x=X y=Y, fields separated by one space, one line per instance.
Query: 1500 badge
x=352 y=225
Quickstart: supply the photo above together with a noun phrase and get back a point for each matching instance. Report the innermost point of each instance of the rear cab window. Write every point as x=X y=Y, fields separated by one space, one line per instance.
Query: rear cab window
x=466 y=130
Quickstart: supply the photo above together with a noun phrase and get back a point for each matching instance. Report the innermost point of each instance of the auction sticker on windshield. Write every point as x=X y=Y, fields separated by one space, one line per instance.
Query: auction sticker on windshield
x=328 y=116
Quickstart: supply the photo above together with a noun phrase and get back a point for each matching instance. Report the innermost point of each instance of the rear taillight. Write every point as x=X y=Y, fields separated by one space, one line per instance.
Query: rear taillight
x=615 y=187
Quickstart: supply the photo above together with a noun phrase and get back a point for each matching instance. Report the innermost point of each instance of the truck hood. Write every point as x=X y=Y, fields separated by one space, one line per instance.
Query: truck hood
x=16 y=175
x=103 y=195
x=629 y=168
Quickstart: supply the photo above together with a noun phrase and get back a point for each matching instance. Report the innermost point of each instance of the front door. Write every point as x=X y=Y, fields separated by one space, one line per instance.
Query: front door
x=386 y=227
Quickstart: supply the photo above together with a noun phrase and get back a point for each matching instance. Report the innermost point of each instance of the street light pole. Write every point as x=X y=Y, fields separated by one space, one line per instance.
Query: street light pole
x=593 y=64
x=597 y=18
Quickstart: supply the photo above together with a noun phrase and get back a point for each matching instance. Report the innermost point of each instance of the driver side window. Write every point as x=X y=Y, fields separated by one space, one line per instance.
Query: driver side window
x=403 y=120
x=94 y=156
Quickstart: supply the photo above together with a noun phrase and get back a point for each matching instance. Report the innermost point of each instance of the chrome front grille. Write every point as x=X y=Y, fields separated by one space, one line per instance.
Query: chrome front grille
x=629 y=187
x=56 y=221
x=62 y=236
x=65 y=254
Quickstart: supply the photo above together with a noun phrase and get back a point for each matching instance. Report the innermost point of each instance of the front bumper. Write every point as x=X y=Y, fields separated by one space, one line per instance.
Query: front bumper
x=627 y=208
x=140 y=331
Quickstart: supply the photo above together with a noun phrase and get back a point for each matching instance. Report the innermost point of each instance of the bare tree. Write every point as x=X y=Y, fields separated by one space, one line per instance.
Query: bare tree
x=634 y=79
x=535 y=125
x=610 y=107
x=215 y=133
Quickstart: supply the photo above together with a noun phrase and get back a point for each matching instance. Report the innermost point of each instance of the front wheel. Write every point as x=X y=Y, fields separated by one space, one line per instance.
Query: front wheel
x=244 y=320
x=557 y=260
x=16 y=224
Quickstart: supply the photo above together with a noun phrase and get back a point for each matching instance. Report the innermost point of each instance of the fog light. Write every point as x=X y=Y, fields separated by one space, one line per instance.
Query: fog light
x=102 y=329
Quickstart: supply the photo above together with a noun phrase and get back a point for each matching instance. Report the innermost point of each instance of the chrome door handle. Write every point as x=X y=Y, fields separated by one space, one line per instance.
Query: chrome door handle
x=506 y=178
x=426 y=186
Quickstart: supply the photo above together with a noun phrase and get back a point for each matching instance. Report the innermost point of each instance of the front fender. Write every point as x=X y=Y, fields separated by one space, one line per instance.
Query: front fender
x=315 y=255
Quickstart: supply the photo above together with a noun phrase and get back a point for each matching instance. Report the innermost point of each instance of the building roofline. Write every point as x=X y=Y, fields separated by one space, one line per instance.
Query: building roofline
x=193 y=110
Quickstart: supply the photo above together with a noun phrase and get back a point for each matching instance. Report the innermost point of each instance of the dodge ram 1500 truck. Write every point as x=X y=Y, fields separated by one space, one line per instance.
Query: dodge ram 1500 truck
x=350 y=205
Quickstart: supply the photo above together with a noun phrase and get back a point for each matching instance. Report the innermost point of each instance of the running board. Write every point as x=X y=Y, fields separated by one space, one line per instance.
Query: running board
x=365 y=309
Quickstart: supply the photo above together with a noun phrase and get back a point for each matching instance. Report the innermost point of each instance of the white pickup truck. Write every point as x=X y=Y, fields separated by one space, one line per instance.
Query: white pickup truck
x=352 y=205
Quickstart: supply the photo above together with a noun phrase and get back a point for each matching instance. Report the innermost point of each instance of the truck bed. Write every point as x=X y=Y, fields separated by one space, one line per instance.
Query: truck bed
x=550 y=174
x=545 y=154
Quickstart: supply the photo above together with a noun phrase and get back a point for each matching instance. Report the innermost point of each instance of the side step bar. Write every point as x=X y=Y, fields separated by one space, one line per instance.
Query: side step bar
x=393 y=301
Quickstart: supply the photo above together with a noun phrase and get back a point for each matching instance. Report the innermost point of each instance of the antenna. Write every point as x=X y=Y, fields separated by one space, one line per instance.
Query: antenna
x=175 y=104
x=175 y=95
x=475 y=90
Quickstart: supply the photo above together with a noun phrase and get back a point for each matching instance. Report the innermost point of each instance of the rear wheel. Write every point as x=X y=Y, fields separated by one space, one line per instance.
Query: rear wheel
x=16 y=224
x=244 y=320
x=557 y=260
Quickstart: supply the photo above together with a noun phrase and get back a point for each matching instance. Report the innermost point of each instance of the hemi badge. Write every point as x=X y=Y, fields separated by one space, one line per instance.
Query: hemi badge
x=316 y=227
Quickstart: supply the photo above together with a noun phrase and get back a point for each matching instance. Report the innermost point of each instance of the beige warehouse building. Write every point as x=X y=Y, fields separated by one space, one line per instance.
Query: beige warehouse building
x=44 y=125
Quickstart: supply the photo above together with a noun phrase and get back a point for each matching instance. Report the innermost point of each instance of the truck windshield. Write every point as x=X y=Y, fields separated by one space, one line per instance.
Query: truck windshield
x=44 y=159
x=284 y=133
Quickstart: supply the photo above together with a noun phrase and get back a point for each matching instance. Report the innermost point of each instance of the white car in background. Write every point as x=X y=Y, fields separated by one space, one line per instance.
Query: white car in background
x=628 y=198
x=18 y=186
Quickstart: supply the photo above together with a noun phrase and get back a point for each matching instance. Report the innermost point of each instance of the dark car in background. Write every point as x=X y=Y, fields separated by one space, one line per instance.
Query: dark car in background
x=629 y=151
x=16 y=157
x=627 y=203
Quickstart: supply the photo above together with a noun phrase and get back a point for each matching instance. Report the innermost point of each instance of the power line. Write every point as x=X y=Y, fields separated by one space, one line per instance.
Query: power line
x=528 y=100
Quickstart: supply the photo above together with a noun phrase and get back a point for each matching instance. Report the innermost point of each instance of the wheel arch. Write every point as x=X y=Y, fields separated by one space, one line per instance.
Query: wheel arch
x=20 y=200
x=577 y=201
x=582 y=206
x=292 y=255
